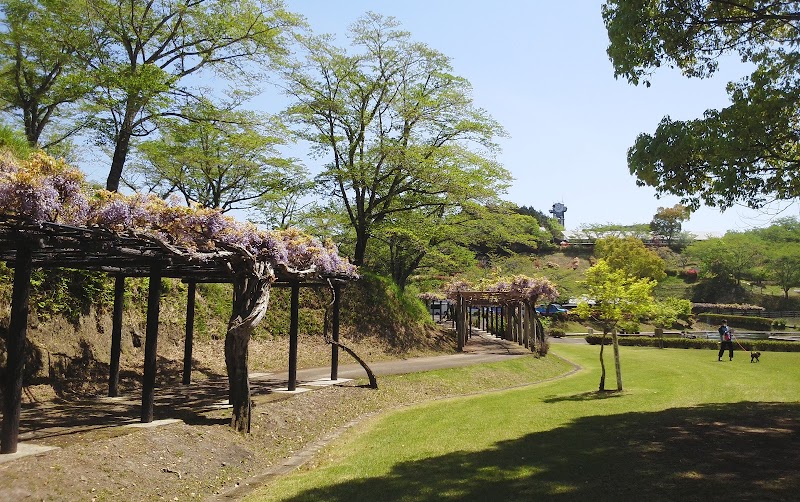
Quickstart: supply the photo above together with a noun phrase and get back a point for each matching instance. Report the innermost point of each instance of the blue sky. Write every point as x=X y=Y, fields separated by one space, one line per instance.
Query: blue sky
x=540 y=69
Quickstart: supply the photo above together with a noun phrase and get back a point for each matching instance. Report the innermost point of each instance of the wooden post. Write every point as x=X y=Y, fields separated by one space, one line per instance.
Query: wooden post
x=335 y=333
x=188 y=343
x=502 y=332
x=151 y=343
x=458 y=320
x=293 y=327
x=509 y=335
x=116 y=336
x=469 y=320
x=660 y=335
x=15 y=350
x=526 y=331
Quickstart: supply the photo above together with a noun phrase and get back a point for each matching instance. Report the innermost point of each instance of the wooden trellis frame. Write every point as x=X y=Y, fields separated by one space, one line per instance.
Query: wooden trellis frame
x=26 y=245
x=518 y=320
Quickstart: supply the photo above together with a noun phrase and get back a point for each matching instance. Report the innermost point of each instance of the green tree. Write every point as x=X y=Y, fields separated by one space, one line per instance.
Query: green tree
x=602 y=230
x=667 y=222
x=665 y=313
x=41 y=79
x=620 y=298
x=782 y=230
x=631 y=256
x=783 y=263
x=732 y=256
x=497 y=229
x=143 y=52
x=547 y=222
x=744 y=153
x=218 y=158
x=398 y=129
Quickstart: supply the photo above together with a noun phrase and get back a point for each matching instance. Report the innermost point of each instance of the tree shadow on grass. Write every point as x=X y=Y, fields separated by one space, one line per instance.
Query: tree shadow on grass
x=741 y=451
x=585 y=396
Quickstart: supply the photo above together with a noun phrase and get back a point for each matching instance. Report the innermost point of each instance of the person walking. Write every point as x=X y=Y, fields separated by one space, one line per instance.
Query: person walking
x=725 y=341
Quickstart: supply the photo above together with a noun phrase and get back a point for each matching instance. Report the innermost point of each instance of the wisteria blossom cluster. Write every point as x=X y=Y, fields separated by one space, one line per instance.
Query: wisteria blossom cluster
x=430 y=296
x=530 y=289
x=45 y=189
x=727 y=306
x=533 y=289
x=42 y=189
x=456 y=286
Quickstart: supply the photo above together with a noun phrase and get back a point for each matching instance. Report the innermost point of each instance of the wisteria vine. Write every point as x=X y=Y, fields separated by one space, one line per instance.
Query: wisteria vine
x=521 y=287
x=44 y=189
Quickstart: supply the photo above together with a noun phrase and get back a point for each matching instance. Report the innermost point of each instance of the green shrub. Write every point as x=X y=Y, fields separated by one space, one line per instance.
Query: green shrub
x=738 y=321
x=697 y=343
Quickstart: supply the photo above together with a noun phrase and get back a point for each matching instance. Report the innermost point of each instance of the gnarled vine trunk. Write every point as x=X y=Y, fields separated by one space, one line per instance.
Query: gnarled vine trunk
x=250 y=301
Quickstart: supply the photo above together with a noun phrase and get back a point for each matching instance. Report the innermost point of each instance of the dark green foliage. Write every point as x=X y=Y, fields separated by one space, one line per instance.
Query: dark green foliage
x=719 y=289
x=66 y=292
x=738 y=321
x=697 y=343
x=374 y=306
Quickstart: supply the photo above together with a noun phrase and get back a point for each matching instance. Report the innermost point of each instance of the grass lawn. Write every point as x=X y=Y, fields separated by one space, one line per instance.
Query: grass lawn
x=686 y=427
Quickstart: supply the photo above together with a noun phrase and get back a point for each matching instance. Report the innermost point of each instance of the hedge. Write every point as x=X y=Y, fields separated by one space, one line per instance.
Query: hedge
x=697 y=343
x=740 y=321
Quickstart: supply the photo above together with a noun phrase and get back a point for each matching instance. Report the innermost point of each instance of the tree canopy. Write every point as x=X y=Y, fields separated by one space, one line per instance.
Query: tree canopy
x=745 y=153
x=219 y=158
x=41 y=79
x=131 y=59
x=397 y=128
x=631 y=256
x=620 y=298
x=667 y=222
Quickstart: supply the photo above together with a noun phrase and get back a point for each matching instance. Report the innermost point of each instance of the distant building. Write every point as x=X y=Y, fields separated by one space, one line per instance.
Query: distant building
x=558 y=212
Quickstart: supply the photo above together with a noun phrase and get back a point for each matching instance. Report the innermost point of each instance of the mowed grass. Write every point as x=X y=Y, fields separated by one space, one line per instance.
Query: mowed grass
x=686 y=427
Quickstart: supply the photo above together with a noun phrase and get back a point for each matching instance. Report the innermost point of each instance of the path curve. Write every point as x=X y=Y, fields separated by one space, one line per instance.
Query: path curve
x=482 y=348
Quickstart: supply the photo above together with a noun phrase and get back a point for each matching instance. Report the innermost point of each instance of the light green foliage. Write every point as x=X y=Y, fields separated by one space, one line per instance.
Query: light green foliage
x=14 y=142
x=41 y=78
x=784 y=266
x=665 y=313
x=619 y=296
x=781 y=242
x=217 y=158
x=139 y=61
x=397 y=127
x=499 y=229
x=733 y=256
x=667 y=222
x=631 y=256
x=63 y=292
x=744 y=153
x=605 y=230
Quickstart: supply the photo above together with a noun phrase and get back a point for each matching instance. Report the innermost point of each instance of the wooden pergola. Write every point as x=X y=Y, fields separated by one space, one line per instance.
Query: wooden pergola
x=501 y=312
x=26 y=245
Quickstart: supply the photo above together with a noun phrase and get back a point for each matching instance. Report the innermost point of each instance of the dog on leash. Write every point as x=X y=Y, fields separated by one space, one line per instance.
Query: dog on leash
x=754 y=357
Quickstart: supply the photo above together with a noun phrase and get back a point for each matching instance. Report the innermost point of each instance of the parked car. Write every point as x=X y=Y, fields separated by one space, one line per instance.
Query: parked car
x=552 y=309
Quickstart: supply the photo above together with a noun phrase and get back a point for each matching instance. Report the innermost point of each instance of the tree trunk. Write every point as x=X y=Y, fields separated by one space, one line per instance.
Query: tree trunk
x=361 y=246
x=602 y=364
x=250 y=301
x=615 y=341
x=121 y=148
